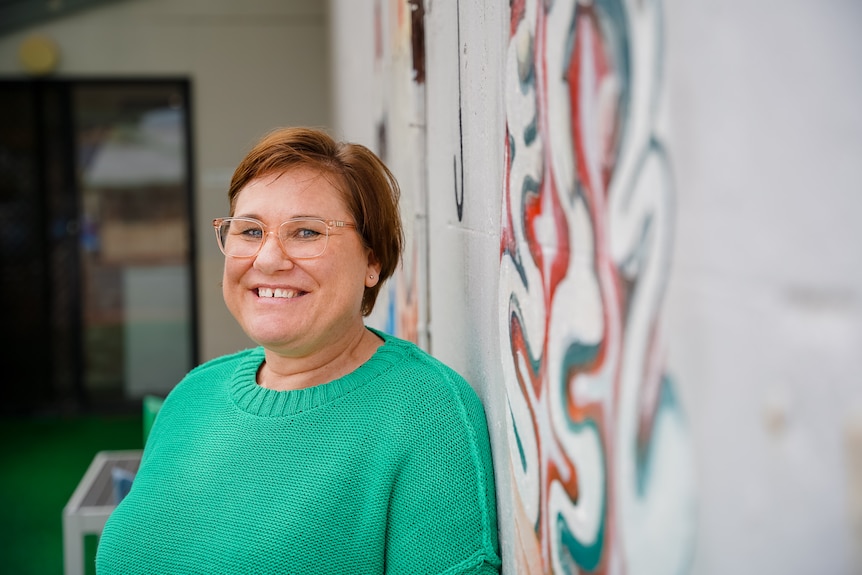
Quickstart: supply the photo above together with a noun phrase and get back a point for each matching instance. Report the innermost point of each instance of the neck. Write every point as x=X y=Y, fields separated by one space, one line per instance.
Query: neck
x=285 y=373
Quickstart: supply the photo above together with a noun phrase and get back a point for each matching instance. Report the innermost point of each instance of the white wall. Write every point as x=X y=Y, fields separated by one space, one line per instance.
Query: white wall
x=354 y=95
x=765 y=306
x=253 y=64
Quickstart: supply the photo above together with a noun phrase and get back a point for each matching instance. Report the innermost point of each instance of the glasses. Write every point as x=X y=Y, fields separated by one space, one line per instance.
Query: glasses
x=300 y=238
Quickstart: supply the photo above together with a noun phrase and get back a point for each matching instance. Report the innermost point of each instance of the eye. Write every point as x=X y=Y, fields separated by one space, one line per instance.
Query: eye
x=305 y=234
x=247 y=230
x=303 y=230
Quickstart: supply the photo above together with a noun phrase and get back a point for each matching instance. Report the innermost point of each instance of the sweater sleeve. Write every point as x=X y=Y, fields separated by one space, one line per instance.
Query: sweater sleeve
x=442 y=509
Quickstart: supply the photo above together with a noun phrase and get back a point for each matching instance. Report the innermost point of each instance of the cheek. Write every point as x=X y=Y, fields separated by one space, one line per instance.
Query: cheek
x=231 y=275
x=353 y=273
x=225 y=285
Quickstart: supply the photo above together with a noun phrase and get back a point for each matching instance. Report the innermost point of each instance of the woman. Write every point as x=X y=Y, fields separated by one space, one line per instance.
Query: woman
x=332 y=447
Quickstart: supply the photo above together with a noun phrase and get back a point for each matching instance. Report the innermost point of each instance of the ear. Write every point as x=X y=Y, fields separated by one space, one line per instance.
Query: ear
x=372 y=270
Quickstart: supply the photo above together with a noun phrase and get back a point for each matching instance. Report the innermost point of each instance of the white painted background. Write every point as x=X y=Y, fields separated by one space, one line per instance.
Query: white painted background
x=765 y=304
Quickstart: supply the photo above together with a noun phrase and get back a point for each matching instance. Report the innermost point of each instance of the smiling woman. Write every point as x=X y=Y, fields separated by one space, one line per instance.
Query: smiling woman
x=331 y=447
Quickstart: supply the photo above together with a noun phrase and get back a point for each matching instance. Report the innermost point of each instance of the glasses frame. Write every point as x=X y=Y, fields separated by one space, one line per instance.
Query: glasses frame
x=330 y=224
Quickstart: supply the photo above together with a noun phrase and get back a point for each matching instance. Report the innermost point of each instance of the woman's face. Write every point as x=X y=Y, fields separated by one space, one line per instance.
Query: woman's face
x=298 y=307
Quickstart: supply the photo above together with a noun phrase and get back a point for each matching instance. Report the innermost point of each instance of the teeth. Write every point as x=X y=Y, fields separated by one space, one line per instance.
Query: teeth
x=277 y=292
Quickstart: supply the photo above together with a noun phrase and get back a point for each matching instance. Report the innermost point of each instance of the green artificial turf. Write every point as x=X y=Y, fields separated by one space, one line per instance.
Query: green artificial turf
x=41 y=462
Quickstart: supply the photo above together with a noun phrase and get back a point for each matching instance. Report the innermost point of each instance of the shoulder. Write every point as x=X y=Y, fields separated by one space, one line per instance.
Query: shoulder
x=203 y=391
x=224 y=363
x=224 y=366
x=427 y=387
x=407 y=360
x=207 y=377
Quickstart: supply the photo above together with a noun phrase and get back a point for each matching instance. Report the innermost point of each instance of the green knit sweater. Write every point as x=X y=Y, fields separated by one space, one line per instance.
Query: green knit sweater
x=386 y=470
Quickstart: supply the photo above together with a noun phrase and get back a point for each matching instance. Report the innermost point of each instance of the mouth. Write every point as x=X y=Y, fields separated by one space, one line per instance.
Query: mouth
x=281 y=293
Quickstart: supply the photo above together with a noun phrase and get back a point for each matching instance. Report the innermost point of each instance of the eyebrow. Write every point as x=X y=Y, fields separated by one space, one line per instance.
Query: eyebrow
x=260 y=218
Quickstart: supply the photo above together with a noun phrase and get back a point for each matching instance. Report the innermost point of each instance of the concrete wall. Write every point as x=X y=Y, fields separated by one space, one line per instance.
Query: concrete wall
x=253 y=65
x=641 y=251
x=765 y=302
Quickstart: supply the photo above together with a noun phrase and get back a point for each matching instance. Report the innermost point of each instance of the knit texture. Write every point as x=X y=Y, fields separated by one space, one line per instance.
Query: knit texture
x=386 y=470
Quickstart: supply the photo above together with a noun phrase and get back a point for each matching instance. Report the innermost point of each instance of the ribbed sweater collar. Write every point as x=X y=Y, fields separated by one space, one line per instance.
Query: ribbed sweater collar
x=263 y=402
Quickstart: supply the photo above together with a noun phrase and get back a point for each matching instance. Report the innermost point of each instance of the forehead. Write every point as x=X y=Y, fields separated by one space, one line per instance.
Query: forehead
x=298 y=188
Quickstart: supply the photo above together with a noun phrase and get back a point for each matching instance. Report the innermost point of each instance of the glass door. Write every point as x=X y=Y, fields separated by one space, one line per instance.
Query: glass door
x=135 y=252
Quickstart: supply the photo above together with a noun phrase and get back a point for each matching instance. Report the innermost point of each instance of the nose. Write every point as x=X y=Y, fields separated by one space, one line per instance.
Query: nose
x=271 y=256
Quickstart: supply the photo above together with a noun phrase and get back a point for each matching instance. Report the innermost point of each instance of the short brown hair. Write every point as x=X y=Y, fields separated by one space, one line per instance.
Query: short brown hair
x=369 y=188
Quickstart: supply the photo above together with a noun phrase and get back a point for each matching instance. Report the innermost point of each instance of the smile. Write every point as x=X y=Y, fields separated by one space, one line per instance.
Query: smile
x=277 y=292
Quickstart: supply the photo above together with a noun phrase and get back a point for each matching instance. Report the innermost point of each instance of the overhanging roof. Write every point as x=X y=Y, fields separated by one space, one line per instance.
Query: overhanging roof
x=18 y=14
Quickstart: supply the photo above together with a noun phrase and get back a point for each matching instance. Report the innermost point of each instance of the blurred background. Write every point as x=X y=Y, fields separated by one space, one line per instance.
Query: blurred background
x=631 y=225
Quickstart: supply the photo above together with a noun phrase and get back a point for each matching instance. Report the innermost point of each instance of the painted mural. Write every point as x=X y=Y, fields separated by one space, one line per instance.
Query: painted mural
x=600 y=455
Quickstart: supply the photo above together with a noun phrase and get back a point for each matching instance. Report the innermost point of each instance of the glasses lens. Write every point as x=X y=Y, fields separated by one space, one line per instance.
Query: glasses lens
x=240 y=238
x=303 y=238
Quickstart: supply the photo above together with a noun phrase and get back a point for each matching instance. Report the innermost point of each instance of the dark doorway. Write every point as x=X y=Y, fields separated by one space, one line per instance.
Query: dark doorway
x=96 y=242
